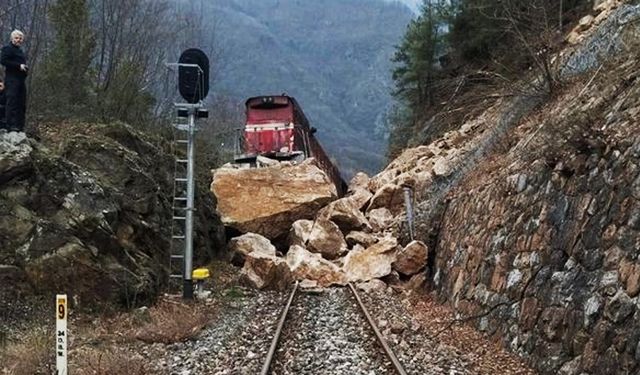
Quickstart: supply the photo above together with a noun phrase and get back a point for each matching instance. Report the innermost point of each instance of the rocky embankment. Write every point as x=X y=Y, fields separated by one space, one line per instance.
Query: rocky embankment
x=86 y=211
x=536 y=239
x=546 y=238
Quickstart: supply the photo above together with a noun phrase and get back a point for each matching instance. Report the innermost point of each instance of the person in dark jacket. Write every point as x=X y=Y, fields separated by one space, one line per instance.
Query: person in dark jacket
x=15 y=63
x=3 y=101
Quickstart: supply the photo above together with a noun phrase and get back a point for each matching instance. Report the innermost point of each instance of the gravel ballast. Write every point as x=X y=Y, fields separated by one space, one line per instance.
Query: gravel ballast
x=235 y=343
x=327 y=334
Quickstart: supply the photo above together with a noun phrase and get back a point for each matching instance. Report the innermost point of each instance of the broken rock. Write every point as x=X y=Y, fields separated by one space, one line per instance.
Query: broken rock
x=299 y=233
x=326 y=238
x=390 y=196
x=412 y=258
x=345 y=213
x=360 y=198
x=380 y=219
x=250 y=242
x=265 y=271
x=362 y=264
x=359 y=181
x=268 y=200
x=360 y=238
x=307 y=265
x=442 y=167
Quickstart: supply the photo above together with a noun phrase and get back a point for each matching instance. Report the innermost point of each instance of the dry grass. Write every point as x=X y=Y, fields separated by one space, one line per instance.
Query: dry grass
x=107 y=346
x=112 y=361
x=33 y=354
x=171 y=321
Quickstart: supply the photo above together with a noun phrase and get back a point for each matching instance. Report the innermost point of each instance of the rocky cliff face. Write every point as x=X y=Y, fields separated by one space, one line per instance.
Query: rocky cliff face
x=87 y=211
x=539 y=242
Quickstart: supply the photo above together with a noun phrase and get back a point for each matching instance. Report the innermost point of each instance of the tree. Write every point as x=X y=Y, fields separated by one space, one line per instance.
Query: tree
x=67 y=66
x=508 y=37
x=416 y=58
x=417 y=74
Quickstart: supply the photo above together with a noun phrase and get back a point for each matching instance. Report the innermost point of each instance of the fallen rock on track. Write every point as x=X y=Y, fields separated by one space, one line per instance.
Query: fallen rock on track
x=268 y=200
x=325 y=238
x=264 y=271
x=373 y=262
x=307 y=265
x=320 y=236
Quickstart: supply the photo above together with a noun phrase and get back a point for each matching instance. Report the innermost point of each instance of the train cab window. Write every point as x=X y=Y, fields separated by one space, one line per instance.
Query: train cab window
x=269 y=102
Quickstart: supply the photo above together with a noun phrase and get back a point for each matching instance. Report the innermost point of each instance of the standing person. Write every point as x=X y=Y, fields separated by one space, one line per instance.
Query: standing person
x=3 y=101
x=15 y=63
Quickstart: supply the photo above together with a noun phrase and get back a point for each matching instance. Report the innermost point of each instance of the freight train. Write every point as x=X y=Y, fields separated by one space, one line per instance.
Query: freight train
x=277 y=128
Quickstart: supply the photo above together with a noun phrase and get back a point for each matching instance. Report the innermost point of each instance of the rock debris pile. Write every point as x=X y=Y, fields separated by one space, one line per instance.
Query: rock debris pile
x=296 y=228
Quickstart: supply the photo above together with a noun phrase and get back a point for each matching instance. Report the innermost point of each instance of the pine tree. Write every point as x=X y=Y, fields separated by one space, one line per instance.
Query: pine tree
x=416 y=58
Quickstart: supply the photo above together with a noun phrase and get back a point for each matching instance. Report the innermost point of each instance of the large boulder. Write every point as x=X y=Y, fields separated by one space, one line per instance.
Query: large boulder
x=268 y=200
x=249 y=242
x=264 y=271
x=412 y=258
x=307 y=265
x=363 y=264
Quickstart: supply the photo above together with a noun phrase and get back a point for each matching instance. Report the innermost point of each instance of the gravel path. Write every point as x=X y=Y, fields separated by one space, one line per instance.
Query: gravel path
x=236 y=343
x=327 y=334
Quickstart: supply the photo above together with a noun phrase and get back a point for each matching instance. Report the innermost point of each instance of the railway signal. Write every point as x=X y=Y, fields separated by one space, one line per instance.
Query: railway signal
x=193 y=85
x=193 y=75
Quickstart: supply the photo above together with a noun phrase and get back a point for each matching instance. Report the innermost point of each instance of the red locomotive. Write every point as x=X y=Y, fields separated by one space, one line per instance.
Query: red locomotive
x=277 y=128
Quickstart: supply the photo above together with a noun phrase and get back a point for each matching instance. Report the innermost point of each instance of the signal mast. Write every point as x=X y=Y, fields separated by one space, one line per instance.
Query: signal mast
x=193 y=84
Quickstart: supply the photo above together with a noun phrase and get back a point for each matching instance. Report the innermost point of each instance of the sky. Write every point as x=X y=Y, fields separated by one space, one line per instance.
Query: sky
x=413 y=4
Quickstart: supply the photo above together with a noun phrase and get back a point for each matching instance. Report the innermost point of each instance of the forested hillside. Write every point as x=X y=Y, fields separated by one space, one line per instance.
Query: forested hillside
x=333 y=56
x=456 y=57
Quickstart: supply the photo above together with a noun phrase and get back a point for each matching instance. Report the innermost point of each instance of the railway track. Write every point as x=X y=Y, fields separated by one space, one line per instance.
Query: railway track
x=327 y=333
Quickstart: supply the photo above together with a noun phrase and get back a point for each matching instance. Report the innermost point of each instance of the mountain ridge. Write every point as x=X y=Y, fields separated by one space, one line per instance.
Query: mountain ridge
x=333 y=57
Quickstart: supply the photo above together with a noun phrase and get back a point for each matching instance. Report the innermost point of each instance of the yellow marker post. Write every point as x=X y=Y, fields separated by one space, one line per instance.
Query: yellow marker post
x=199 y=275
x=61 y=334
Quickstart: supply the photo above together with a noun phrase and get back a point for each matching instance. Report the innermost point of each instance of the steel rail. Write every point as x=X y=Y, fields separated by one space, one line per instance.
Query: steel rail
x=381 y=340
x=276 y=336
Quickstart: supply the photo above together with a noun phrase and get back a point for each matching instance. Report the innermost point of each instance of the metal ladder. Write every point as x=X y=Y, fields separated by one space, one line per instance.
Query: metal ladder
x=179 y=203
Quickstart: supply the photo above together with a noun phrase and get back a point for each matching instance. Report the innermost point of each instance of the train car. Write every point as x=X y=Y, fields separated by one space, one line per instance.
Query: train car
x=277 y=128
